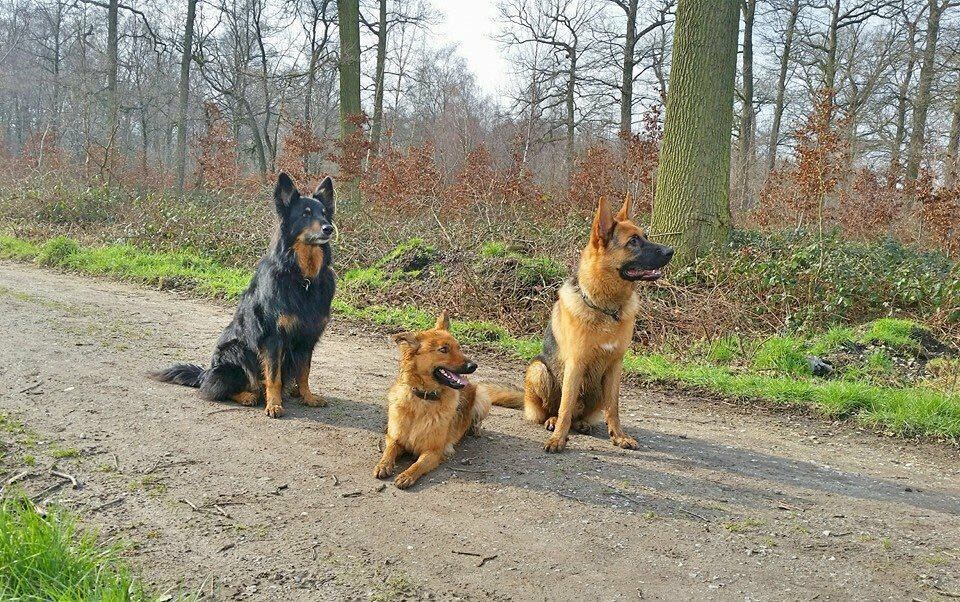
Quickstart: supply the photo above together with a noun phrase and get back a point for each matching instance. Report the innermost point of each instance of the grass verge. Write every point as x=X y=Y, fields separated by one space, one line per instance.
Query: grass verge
x=914 y=411
x=49 y=558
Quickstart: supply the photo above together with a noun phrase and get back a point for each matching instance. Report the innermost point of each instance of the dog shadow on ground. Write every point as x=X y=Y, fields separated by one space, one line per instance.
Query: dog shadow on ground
x=682 y=477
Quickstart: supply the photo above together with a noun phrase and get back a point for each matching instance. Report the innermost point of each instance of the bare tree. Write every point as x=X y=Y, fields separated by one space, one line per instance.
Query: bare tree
x=921 y=104
x=184 y=92
x=792 y=8
x=662 y=13
x=747 y=114
x=909 y=24
x=563 y=27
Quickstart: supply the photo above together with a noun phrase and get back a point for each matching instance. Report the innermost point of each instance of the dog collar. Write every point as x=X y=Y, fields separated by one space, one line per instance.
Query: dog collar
x=305 y=283
x=612 y=314
x=426 y=395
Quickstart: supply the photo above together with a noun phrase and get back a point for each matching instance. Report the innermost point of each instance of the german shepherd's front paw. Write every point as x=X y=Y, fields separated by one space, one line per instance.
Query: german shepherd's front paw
x=312 y=400
x=246 y=398
x=405 y=480
x=383 y=470
x=555 y=444
x=274 y=410
x=625 y=442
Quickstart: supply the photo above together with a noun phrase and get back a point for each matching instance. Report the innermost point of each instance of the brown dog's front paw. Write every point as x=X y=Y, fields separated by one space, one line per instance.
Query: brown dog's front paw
x=625 y=442
x=246 y=398
x=405 y=480
x=382 y=470
x=274 y=410
x=555 y=444
x=312 y=400
x=550 y=423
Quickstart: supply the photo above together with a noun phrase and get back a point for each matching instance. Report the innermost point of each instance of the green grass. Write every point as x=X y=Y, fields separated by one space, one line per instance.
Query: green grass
x=892 y=332
x=181 y=270
x=724 y=350
x=49 y=558
x=833 y=339
x=531 y=270
x=781 y=354
x=62 y=454
x=14 y=248
x=779 y=375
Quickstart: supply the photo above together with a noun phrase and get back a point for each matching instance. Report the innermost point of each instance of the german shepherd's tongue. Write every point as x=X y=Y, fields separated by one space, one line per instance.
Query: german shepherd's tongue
x=450 y=378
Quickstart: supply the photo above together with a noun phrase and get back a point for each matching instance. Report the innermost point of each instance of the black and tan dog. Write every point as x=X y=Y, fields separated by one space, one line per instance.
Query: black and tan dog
x=577 y=377
x=431 y=404
x=282 y=314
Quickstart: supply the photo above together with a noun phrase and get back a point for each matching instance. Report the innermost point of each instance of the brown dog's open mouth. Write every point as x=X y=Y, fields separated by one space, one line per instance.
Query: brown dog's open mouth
x=449 y=378
x=634 y=274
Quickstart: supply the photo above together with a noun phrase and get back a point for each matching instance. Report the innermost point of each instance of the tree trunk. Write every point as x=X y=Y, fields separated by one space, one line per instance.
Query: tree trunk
x=349 y=17
x=778 y=104
x=626 y=83
x=897 y=144
x=830 y=60
x=112 y=62
x=571 y=110
x=747 y=118
x=691 y=210
x=57 y=59
x=185 y=59
x=922 y=103
x=954 y=142
x=377 y=125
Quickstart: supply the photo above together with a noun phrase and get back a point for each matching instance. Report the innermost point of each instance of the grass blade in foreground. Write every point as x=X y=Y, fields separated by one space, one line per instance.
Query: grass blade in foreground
x=49 y=558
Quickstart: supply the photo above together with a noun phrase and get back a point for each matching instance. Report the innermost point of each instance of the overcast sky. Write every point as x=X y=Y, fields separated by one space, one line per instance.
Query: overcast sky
x=470 y=24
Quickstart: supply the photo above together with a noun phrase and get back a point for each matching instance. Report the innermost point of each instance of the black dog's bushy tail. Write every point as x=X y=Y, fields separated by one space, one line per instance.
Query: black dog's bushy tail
x=188 y=375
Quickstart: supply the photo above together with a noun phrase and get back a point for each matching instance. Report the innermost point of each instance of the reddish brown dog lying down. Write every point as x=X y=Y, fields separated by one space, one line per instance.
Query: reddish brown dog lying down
x=432 y=404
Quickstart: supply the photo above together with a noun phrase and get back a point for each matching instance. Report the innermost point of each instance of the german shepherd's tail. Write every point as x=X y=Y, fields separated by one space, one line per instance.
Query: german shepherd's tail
x=504 y=396
x=188 y=375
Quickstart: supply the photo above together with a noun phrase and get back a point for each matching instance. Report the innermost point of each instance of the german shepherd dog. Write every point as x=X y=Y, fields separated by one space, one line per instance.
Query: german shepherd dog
x=577 y=376
x=431 y=404
x=282 y=314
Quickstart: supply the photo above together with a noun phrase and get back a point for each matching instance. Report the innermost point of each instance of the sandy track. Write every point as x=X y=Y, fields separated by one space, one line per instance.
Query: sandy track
x=719 y=502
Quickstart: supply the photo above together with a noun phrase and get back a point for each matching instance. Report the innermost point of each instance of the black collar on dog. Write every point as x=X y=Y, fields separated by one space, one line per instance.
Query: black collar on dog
x=426 y=395
x=613 y=314
x=306 y=283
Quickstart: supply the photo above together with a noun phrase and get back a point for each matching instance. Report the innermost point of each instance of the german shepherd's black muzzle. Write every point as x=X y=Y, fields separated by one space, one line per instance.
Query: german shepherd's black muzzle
x=648 y=260
x=451 y=376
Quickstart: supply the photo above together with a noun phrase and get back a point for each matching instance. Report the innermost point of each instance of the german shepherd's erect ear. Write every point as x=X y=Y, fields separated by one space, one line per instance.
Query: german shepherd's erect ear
x=443 y=322
x=284 y=193
x=603 y=225
x=324 y=194
x=624 y=214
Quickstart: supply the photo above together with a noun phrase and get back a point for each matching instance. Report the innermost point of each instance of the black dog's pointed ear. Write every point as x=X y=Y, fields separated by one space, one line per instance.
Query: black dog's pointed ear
x=284 y=192
x=324 y=194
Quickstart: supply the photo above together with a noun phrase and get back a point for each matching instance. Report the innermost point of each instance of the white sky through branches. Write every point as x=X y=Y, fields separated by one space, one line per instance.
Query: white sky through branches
x=470 y=24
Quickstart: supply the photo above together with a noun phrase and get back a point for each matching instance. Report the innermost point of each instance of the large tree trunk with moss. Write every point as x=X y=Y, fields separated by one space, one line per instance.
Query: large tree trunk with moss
x=691 y=211
x=349 y=17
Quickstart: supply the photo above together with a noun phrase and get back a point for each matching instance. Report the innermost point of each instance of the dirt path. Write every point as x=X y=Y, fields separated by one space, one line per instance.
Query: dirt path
x=718 y=503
